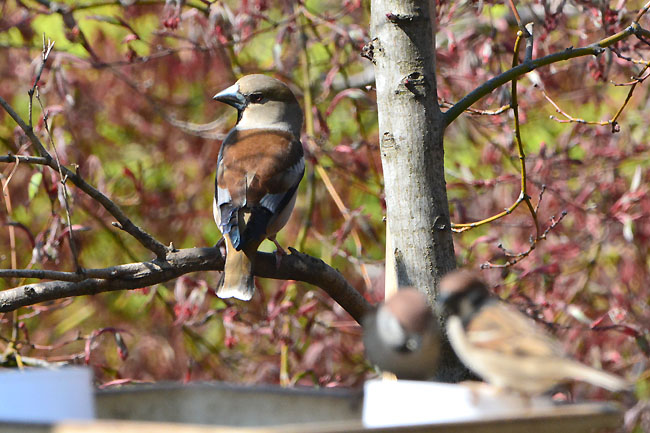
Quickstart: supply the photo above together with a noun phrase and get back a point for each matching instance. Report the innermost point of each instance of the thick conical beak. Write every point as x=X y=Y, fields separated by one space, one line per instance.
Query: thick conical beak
x=231 y=96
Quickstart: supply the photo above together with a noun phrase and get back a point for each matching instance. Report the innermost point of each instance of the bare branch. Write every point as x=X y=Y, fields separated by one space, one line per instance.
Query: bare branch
x=523 y=195
x=614 y=120
x=128 y=226
x=40 y=160
x=62 y=178
x=514 y=258
x=512 y=74
x=40 y=274
x=447 y=104
x=295 y=266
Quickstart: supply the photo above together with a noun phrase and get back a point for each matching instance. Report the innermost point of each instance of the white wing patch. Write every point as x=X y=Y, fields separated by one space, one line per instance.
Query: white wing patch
x=216 y=213
x=223 y=196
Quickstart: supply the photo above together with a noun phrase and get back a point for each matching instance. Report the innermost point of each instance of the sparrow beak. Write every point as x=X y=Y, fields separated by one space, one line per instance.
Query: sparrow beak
x=232 y=96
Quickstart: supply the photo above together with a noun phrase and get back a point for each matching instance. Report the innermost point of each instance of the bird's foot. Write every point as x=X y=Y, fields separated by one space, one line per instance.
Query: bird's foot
x=476 y=390
x=279 y=252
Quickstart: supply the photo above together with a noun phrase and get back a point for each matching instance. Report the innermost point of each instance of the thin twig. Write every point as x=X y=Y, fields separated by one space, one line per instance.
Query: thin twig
x=62 y=180
x=125 y=223
x=570 y=53
x=9 y=207
x=514 y=258
x=627 y=58
x=569 y=118
x=513 y=8
x=614 y=120
x=309 y=127
x=523 y=195
x=348 y=217
x=447 y=104
x=520 y=146
x=45 y=53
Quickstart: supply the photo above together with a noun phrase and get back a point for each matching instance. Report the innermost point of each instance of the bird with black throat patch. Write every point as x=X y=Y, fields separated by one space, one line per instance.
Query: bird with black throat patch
x=259 y=168
x=504 y=346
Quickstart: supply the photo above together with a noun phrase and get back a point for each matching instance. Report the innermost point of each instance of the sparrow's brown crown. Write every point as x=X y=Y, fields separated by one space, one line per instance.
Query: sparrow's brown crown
x=411 y=309
x=462 y=292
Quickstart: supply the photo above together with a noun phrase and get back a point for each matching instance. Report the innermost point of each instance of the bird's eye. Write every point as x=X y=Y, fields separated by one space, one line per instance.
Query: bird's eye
x=256 y=97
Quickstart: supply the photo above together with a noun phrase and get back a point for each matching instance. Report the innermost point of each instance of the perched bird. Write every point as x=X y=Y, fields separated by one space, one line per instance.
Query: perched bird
x=504 y=346
x=259 y=168
x=402 y=336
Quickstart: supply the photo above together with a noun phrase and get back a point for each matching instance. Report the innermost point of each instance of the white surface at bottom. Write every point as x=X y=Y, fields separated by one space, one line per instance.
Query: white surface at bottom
x=403 y=402
x=46 y=396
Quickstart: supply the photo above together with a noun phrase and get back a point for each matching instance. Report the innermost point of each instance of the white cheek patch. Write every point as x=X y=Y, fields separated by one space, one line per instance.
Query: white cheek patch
x=389 y=329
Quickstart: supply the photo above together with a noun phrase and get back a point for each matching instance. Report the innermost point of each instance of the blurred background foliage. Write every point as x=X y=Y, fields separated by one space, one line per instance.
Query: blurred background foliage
x=128 y=90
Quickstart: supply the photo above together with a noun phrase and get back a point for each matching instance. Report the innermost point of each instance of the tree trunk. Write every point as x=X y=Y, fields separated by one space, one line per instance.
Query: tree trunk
x=411 y=141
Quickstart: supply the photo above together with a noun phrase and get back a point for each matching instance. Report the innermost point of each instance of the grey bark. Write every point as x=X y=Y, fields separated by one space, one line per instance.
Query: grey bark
x=411 y=141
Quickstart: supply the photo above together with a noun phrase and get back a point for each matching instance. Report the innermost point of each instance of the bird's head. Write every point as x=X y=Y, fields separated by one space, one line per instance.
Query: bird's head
x=404 y=318
x=263 y=102
x=462 y=293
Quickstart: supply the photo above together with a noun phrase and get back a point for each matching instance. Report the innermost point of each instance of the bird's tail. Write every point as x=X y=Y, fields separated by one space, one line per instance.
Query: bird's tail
x=597 y=377
x=237 y=280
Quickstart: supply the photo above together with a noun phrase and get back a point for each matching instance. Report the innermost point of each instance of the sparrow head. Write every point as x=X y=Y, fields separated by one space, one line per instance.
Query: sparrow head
x=263 y=102
x=404 y=318
x=462 y=293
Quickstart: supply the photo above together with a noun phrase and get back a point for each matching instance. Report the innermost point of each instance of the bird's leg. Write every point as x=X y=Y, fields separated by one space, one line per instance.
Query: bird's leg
x=279 y=251
x=475 y=389
x=526 y=399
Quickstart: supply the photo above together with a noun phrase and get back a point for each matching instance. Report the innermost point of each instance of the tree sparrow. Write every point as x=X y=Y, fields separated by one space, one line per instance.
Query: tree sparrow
x=504 y=346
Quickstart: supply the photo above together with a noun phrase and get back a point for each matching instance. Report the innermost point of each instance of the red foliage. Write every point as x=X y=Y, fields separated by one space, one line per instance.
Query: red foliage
x=124 y=105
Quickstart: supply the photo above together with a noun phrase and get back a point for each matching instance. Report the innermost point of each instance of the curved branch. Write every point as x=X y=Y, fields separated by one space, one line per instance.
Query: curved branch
x=125 y=223
x=296 y=266
x=511 y=74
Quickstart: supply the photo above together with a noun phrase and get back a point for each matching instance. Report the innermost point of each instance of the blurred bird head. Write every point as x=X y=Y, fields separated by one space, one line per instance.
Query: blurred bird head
x=462 y=293
x=402 y=336
x=263 y=102
x=403 y=319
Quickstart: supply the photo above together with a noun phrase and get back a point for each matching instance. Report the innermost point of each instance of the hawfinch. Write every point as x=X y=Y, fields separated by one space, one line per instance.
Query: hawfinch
x=259 y=168
x=402 y=336
x=504 y=346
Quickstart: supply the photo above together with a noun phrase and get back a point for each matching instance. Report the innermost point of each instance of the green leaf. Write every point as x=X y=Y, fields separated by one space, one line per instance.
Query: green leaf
x=34 y=183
